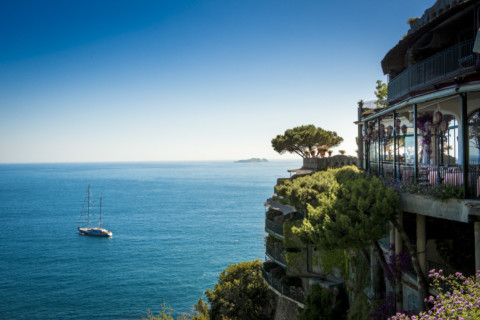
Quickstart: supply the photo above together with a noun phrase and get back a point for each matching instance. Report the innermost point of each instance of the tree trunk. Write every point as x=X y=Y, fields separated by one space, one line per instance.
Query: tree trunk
x=422 y=281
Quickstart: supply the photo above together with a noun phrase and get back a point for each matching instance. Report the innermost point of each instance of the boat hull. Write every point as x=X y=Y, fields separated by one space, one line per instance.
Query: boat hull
x=95 y=232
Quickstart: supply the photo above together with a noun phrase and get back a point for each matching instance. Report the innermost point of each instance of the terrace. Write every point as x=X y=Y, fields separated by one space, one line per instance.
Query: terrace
x=429 y=144
x=292 y=293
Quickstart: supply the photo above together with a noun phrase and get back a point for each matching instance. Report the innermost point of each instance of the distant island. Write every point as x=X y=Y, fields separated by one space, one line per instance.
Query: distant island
x=251 y=160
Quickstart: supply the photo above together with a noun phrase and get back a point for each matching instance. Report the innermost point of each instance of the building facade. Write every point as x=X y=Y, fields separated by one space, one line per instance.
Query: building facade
x=427 y=139
x=426 y=143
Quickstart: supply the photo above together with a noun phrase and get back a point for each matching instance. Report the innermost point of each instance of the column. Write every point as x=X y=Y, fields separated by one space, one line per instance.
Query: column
x=395 y=146
x=360 y=137
x=380 y=160
x=477 y=244
x=367 y=148
x=464 y=142
x=415 y=137
x=421 y=242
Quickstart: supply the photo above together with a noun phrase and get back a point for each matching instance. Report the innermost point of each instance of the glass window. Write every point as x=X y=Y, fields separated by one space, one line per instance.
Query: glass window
x=474 y=137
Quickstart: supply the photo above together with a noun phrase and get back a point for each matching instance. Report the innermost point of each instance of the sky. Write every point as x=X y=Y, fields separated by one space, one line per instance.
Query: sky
x=101 y=81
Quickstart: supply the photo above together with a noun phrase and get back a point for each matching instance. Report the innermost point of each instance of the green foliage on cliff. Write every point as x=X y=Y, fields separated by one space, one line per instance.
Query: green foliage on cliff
x=316 y=190
x=199 y=312
x=240 y=293
x=325 y=304
x=335 y=259
x=346 y=208
x=347 y=211
x=291 y=240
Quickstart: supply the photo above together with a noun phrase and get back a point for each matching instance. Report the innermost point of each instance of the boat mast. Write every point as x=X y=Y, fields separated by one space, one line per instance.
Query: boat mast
x=88 y=208
x=100 y=221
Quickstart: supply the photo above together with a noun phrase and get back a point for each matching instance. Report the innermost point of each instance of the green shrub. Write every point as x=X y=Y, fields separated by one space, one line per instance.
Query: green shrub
x=325 y=304
x=241 y=293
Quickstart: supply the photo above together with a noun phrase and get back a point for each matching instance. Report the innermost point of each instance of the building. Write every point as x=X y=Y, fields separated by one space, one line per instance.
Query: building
x=429 y=136
x=426 y=139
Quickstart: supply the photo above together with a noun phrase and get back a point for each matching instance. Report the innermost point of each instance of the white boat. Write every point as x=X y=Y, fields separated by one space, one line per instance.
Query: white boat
x=96 y=231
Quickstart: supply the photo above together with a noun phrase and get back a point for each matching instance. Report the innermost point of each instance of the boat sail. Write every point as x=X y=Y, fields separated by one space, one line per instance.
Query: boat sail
x=88 y=230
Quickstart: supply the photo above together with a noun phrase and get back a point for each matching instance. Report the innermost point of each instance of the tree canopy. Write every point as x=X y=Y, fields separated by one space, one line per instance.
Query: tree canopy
x=305 y=138
x=381 y=93
x=240 y=293
x=346 y=207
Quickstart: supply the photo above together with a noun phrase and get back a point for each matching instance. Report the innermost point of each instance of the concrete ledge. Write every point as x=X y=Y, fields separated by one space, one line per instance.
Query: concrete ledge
x=450 y=209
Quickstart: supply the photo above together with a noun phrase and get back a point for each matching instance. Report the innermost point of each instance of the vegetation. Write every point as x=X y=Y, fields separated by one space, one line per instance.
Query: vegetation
x=381 y=92
x=412 y=20
x=304 y=140
x=349 y=210
x=240 y=293
x=198 y=313
x=461 y=301
x=325 y=304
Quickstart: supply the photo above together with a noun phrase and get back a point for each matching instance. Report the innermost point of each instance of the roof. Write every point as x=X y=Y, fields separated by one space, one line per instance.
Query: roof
x=439 y=12
x=283 y=208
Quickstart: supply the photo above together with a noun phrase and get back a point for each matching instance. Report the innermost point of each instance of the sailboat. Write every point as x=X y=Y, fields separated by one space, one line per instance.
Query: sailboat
x=93 y=231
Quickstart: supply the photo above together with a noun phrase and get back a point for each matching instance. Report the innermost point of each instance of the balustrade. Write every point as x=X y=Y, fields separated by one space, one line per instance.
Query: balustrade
x=430 y=70
x=274 y=227
x=288 y=291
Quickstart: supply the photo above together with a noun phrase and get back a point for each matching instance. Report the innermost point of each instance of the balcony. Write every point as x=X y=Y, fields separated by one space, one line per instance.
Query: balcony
x=276 y=255
x=274 y=228
x=289 y=292
x=430 y=176
x=456 y=60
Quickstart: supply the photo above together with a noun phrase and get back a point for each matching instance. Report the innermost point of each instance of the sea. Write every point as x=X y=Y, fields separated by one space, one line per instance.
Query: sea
x=176 y=226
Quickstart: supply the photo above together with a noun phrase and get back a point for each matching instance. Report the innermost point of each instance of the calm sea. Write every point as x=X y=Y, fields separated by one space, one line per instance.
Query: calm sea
x=175 y=227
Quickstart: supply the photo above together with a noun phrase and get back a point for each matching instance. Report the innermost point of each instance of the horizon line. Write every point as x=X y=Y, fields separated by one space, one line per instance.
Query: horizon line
x=140 y=161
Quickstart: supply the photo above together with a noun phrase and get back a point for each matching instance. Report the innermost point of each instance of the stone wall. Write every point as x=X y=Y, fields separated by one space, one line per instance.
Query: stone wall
x=329 y=162
x=286 y=310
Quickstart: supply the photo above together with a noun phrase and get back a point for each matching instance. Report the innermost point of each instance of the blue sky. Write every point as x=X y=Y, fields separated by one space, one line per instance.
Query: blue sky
x=185 y=80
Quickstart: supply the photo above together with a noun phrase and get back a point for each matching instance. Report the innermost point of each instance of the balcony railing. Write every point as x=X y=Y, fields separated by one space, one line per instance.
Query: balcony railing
x=431 y=175
x=276 y=255
x=432 y=69
x=290 y=292
x=273 y=227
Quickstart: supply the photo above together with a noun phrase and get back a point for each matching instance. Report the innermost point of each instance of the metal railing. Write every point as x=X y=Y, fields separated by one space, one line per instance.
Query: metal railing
x=276 y=255
x=432 y=69
x=291 y=292
x=273 y=227
x=431 y=175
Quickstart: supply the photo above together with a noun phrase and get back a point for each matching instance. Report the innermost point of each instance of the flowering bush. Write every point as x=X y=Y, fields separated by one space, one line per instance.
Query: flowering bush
x=461 y=301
